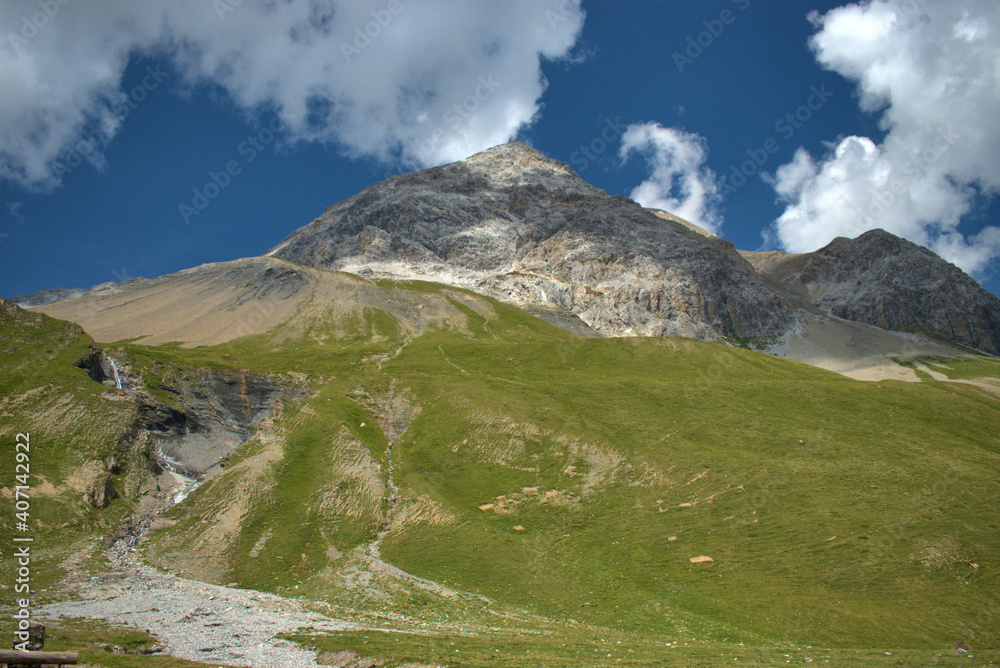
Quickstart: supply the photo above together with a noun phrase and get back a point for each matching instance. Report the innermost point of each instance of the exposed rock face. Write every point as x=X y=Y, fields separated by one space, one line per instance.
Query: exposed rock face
x=882 y=280
x=216 y=411
x=43 y=297
x=102 y=493
x=517 y=226
x=208 y=414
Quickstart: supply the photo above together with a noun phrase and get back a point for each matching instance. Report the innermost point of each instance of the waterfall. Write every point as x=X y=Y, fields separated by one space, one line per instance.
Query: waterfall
x=114 y=368
x=185 y=482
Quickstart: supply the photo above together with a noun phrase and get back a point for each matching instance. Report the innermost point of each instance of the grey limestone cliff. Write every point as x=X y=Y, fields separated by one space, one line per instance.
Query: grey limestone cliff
x=520 y=227
x=882 y=280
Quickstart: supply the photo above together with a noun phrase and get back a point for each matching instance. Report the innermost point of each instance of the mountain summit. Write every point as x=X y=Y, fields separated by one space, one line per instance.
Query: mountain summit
x=515 y=225
x=882 y=280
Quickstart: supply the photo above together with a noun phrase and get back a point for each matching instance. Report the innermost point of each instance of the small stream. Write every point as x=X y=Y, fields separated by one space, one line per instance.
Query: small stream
x=186 y=482
x=114 y=369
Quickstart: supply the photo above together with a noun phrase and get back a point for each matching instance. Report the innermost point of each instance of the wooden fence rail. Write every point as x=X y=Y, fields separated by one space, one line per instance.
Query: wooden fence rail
x=10 y=657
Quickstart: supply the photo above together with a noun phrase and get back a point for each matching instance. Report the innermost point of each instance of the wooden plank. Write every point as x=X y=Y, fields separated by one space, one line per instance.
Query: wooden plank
x=17 y=658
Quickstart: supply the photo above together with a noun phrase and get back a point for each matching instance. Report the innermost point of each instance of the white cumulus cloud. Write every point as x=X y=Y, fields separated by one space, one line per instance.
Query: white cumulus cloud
x=418 y=82
x=680 y=183
x=930 y=69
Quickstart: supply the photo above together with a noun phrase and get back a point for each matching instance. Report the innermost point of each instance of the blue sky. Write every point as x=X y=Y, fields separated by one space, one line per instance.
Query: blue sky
x=210 y=132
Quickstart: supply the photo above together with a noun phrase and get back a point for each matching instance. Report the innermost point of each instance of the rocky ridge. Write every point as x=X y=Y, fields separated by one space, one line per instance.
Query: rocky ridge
x=882 y=280
x=43 y=297
x=517 y=226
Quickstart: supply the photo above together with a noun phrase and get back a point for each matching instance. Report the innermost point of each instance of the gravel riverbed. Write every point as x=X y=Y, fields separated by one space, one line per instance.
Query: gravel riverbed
x=198 y=621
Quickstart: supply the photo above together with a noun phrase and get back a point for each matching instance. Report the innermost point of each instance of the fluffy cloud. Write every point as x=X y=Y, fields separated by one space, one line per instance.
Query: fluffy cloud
x=931 y=70
x=418 y=83
x=680 y=182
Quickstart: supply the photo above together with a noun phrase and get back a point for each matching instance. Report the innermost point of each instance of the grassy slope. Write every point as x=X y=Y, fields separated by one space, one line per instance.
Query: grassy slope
x=837 y=513
x=818 y=497
x=74 y=426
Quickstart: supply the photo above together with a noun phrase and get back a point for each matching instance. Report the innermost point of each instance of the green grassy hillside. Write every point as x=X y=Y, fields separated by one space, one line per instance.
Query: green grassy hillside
x=77 y=431
x=578 y=478
x=495 y=476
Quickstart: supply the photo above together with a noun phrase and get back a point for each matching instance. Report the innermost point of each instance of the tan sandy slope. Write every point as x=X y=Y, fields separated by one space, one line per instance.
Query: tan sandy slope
x=216 y=303
x=856 y=350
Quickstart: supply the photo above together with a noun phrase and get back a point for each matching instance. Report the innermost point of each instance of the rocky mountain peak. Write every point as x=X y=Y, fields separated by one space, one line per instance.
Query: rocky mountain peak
x=883 y=280
x=515 y=161
x=515 y=225
x=874 y=244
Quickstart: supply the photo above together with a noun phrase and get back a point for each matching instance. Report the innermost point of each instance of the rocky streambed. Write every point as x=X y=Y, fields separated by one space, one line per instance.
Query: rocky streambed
x=194 y=620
